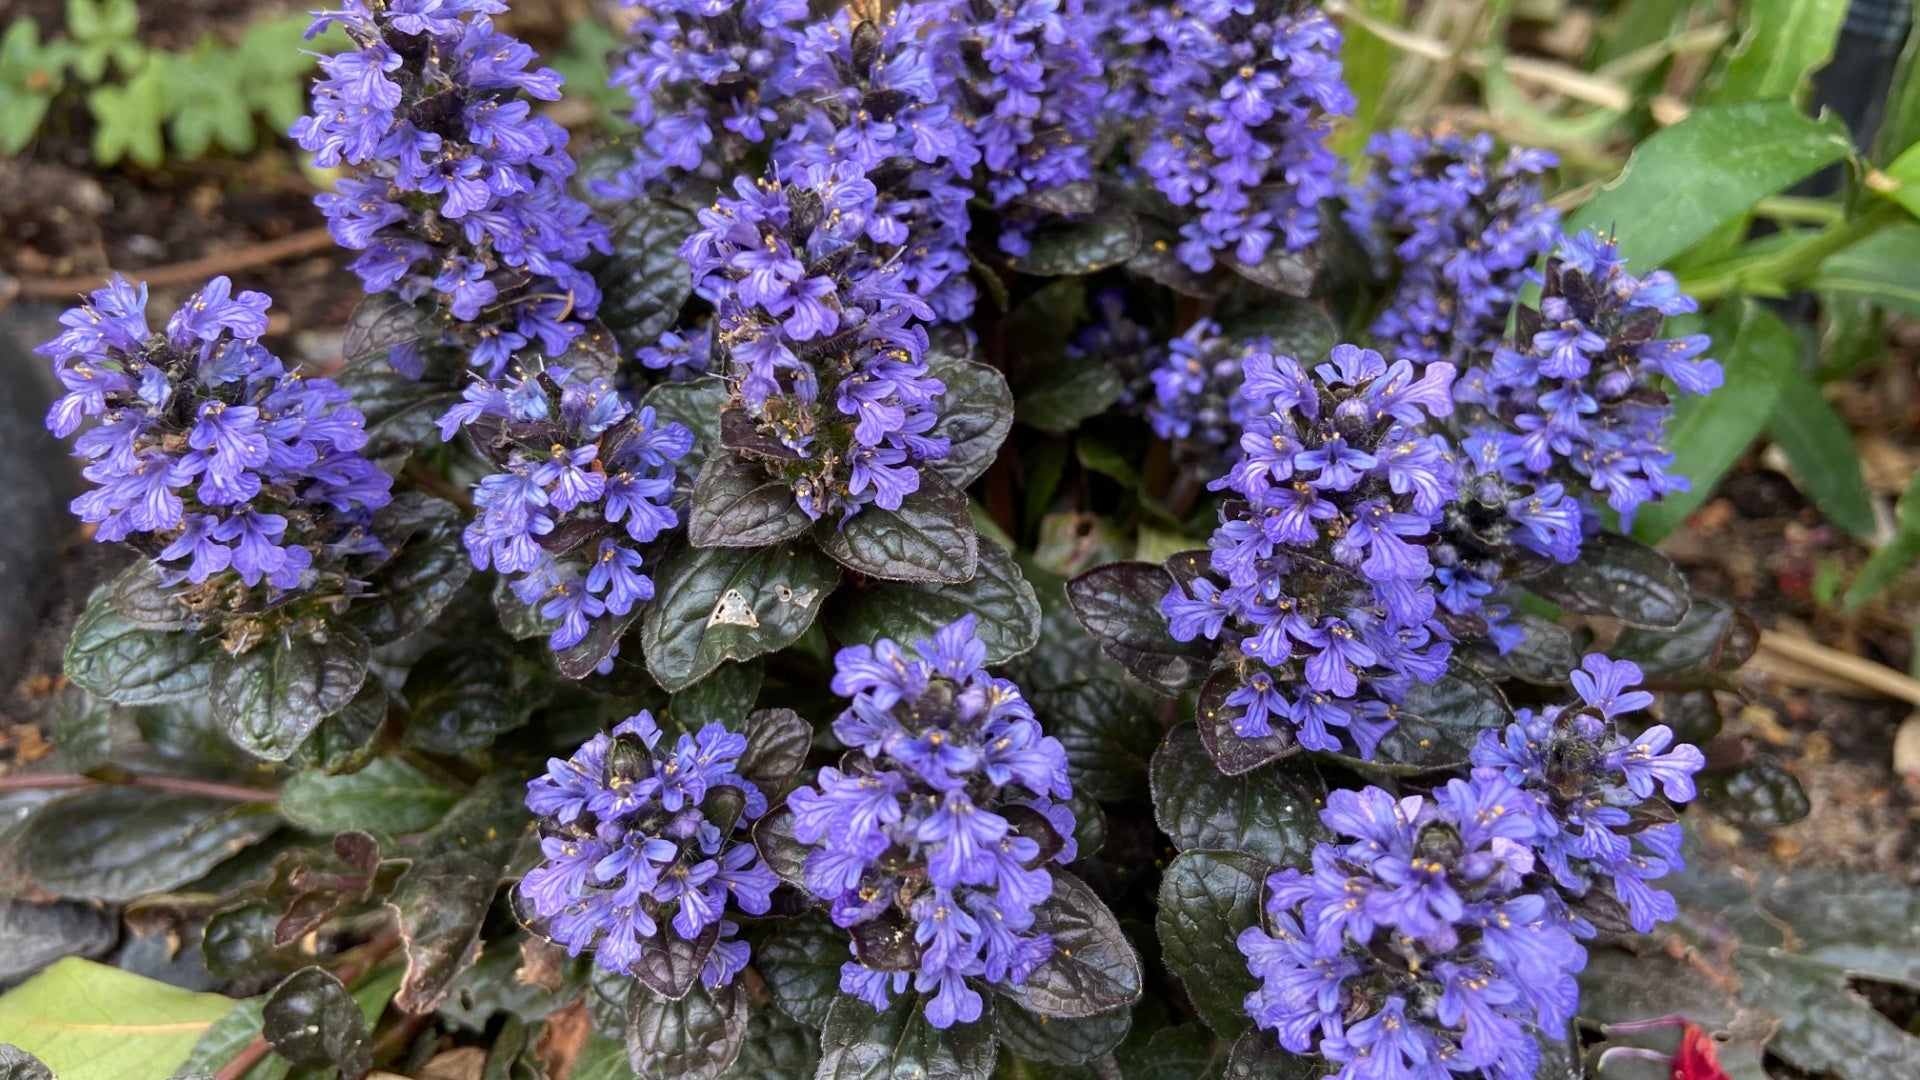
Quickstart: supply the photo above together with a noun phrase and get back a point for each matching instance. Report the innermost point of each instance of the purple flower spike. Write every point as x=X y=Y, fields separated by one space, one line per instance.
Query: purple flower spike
x=950 y=792
x=1319 y=576
x=628 y=857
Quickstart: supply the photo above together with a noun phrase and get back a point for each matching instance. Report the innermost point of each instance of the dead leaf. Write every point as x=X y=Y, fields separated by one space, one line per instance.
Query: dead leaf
x=459 y=1063
x=562 y=1038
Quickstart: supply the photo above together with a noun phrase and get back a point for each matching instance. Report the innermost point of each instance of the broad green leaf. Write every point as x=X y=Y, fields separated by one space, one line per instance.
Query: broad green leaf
x=312 y=1021
x=1759 y=793
x=1081 y=244
x=463 y=694
x=1906 y=169
x=1093 y=968
x=119 y=843
x=1708 y=434
x=696 y=405
x=388 y=796
x=860 y=1043
x=273 y=696
x=440 y=902
x=1619 y=577
x=723 y=697
x=776 y=1047
x=33 y=935
x=930 y=538
x=976 y=413
x=696 y=1037
x=1057 y=1039
x=1820 y=448
x=1878 y=269
x=1367 y=62
x=1714 y=637
x=1119 y=604
x=226 y=1038
x=801 y=965
x=1271 y=813
x=1900 y=127
x=645 y=281
x=1895 y=555
x=711 y=605
x=1782 y=43
x=1682 y=182
x=736 y=503
x=1065 y=392
x=1439 y=723
x=88 y=1020
x=1109 y=729
x=1006 y=610
x=208 y=104
x=1206 y=899
x=1258 y=1055
x=118 y=661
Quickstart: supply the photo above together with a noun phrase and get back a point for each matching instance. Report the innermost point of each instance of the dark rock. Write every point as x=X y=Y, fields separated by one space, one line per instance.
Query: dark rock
x=36 y=480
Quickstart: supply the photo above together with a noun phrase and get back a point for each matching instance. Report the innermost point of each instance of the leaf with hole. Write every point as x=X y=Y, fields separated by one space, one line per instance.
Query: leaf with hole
x=711 y=605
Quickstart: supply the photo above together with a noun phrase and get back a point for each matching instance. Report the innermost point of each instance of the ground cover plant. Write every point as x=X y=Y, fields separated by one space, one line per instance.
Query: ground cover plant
x=962 y=541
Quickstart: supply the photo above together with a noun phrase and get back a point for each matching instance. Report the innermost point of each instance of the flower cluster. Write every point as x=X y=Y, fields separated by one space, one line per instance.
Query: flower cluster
x=210 y=456
x=942 y=820
x=1417 y=948
x=1572 y=401
x=1197 y=402
x=879 y=97
x=461 y=191
x=1034 y=82
x=819 y=325
x=1463 y=232
x=1234 y=104
x=584 y=480
x=704 y=77
x=1112 y=338
x=1596 y=789
x=627 y=835
x=1327 y=590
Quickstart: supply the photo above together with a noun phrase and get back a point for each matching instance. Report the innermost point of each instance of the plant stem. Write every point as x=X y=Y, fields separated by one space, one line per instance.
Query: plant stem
x=210 y=788
x=1782 y=271
x=247 y=1058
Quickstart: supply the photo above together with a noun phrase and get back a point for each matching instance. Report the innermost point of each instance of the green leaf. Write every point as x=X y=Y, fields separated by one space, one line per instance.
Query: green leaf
x=463 y=694
x=711 y=605
x=1290 y=273
x=1093 y=968
x=1057 y=1039
x=1439 y=723
x=1618 y=577
x=777 y=744
x=226 y=1038
x=1119 y=604
x=1081 y=244
x=645 y=281
x=440 y=902
x=389 y=796
x=724 y=697
x=127 y=118
x=1067 y=391
x=1782 y=43
x=1781 y=980
x=737 y=504
x=1206 y=899
x=208 y=103
x=801 y=966
x=1708 y=434
x=273 y=696
x=696 y=405
x=696 y=1037
x=1258 y=1055
x=776 y=1048
x=859 y=1043
x=669 y=964
x=88 y=1020
x=1292 y=326
x=1760 y=793
x=1543 y=655
x=930 y=538
x=312 y=1021
x=1271 y=813
x=120 y=662
x=1714 y=637
x=119 y=843
x=1685 y=180
x=1004 y=605
x=1892 y=557
x=1215 y=720
x=976 y=413
x=347 y=740
x=1877 y=269
x=1109 y=730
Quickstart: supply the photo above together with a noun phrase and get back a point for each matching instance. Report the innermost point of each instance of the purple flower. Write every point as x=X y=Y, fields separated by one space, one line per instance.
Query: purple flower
x=1319 y=581
x=623 y=862
x=861 y=328
x=571 y=456
x=1403 y=952
x=209 y=453
x=941 y=749
x=431 y=105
